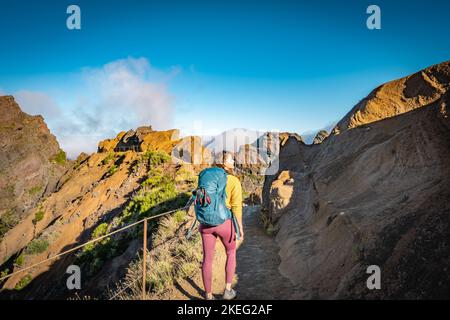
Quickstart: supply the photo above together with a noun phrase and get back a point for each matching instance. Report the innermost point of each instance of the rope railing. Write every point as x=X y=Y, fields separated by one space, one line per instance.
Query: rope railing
x=144 y=221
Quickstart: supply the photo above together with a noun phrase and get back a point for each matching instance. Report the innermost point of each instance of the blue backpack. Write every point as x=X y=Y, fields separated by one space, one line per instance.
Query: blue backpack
x=210 y=199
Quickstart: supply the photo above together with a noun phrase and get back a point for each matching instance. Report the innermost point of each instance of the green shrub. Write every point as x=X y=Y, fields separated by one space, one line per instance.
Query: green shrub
x=23 y=282
x=155 y=158
x=180 y=216
x=20 y=259
x=158 y=191
x=94 y=255
x=186 y=178
x=60 y=157
x=109 y=157
x=37 y=246
x=7 y=221
x=34 y=190
x=185 y=174
x=101 y=230
x=142 y=205
x=113 y=169
x=4 y=273
x=38 y=216
x=4 y=227
x=357 y=252
x=156 y=179
x=268 y=225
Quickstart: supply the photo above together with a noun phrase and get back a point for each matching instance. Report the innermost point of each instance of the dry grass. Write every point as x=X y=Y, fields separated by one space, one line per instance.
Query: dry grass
x=171 y=259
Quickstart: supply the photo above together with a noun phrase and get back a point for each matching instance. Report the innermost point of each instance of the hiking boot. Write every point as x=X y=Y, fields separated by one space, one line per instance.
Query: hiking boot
x=229 y=294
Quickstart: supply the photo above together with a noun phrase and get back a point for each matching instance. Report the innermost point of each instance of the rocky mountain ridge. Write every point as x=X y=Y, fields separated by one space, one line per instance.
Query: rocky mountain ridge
x=375 y=192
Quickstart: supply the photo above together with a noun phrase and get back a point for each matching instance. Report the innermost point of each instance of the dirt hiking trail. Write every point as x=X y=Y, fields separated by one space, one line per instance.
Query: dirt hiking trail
x=257 y=275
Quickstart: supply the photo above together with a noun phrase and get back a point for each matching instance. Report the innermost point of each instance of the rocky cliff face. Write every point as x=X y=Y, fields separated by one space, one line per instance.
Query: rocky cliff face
x=375 y=192
x=320 y=136
x=31 y=163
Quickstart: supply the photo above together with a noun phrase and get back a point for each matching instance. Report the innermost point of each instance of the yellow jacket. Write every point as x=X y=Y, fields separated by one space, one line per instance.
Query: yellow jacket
x=234 y=196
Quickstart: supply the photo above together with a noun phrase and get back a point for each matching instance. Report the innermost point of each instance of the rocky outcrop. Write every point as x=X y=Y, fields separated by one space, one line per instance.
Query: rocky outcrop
x=281 y=192
x=320 y=136
x=31 y=163
x=377 y=194
x=142 y=139
x=289 y=158
x=188 y=149
x=261 y=157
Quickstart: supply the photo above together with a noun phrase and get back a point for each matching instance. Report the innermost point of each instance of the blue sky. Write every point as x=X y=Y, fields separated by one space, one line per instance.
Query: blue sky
x=208 y=66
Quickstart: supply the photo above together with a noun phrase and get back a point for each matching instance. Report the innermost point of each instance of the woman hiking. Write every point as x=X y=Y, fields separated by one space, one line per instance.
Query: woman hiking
x=225 y=231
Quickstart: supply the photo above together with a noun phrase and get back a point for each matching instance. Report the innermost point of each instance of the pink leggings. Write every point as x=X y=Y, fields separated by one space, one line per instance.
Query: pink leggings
x=226 y=233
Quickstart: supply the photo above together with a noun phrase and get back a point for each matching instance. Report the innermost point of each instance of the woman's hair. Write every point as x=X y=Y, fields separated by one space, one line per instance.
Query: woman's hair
x=223 y=157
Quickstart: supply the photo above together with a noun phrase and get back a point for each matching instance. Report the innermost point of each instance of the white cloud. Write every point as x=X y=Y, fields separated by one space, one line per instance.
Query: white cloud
x=120 y=95
x=126 y=92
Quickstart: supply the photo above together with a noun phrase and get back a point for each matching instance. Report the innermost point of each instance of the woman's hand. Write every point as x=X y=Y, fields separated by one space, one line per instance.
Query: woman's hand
x=241 y=232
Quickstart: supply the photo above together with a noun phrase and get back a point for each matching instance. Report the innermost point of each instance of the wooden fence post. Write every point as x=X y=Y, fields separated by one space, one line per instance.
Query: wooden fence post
x=144 y=262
